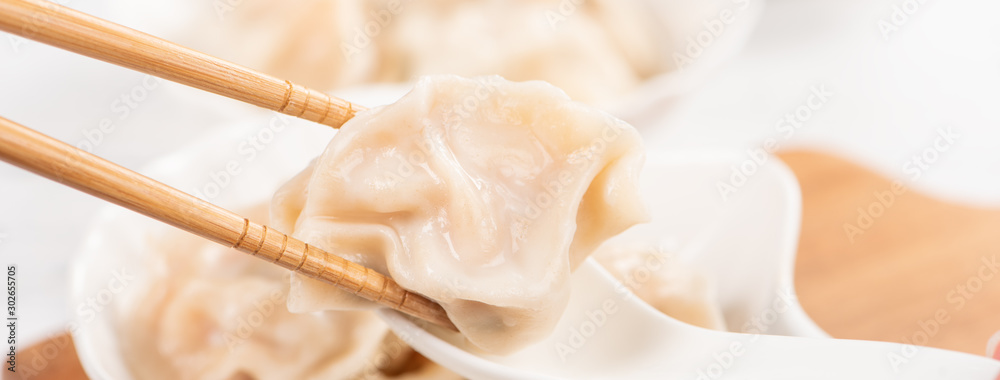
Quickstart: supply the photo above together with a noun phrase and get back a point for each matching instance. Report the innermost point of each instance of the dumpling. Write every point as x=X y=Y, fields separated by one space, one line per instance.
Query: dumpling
x=481 y=194
x=596 y=50
x=199 y=310
x=664 y=282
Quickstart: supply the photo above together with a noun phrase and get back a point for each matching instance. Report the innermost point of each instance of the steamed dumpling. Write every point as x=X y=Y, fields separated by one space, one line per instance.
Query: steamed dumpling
x=595 y=50
x=200 y=310
x=664 y=282
x=481 y=194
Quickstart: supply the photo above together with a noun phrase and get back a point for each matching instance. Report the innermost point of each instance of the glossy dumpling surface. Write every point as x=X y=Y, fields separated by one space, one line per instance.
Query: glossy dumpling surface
x=481 y=194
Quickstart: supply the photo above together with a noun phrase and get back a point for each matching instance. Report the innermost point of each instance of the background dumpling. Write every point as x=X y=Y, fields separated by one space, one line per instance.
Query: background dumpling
x=664 y=281
x=199 y=310
x=595 y=50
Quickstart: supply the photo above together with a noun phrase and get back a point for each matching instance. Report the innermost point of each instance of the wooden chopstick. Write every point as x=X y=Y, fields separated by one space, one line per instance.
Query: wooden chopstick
x=86 y=172
x=55 y=25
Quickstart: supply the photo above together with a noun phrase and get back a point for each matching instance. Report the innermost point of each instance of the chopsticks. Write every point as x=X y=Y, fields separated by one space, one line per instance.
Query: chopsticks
x=52 y=24
x=55 y=25
x=86 y=172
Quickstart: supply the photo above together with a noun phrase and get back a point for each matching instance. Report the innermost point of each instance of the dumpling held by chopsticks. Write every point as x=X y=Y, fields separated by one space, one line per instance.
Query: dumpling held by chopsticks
x=481 y=194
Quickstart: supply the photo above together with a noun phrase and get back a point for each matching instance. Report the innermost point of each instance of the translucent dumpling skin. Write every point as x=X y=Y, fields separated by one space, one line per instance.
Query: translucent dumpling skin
x=481 y=194
x=663 y=281
x=200 y=310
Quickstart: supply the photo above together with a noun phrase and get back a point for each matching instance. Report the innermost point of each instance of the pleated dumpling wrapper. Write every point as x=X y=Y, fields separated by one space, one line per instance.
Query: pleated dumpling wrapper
x=481 y=194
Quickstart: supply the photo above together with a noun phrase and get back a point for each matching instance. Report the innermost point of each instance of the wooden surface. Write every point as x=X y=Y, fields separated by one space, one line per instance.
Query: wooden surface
x=902 y=279
x=52 y=24
x=86 y=172
x=880 y=287
x=52 y=359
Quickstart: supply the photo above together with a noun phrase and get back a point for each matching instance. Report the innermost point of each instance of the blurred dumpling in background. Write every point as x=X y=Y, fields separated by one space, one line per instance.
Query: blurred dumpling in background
x=663 y=281
x=595 y=50
x=297 y=40
x=200 y=310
